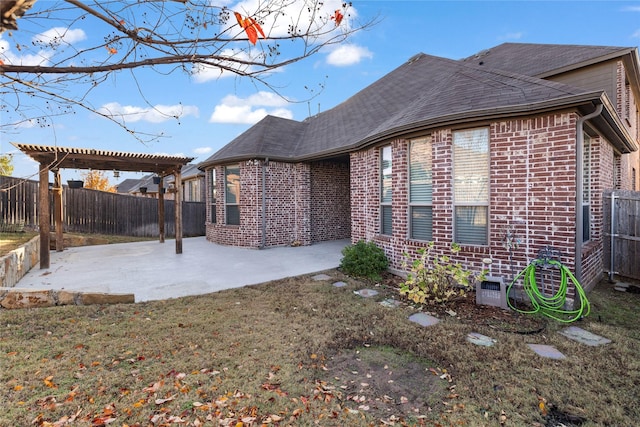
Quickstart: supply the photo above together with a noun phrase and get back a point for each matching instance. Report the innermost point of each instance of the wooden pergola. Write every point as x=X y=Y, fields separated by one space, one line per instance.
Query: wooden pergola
x=52 y=159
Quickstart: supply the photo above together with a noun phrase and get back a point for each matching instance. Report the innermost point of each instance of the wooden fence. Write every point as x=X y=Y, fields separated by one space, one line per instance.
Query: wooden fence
x=622 y=233
x=97 y=212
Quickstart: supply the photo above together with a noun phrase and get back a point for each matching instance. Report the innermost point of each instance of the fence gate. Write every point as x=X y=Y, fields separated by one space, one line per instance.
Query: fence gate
x=622 y=233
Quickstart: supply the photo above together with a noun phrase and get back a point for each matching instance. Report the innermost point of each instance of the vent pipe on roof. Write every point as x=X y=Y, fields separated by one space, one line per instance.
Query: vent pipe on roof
x=579 y=189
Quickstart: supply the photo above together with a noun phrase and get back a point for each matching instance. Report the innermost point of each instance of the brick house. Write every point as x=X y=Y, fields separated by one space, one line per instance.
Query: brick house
x=520 y=139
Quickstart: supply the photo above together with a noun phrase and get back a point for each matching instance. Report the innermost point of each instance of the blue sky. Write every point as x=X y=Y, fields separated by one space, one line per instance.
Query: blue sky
x=215 y=111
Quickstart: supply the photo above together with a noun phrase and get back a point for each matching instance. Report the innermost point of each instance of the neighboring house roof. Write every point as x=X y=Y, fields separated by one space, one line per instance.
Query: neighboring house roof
x=425 y=92
x=191 y=171
x=126 y=185
x=188 y=171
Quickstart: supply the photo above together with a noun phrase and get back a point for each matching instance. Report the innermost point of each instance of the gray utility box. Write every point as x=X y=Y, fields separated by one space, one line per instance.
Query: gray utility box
x=492 y=291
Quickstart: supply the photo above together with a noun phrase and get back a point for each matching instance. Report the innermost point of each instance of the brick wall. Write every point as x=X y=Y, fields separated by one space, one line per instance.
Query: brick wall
x=532 y=180
x=289 y=199
x=330 y=201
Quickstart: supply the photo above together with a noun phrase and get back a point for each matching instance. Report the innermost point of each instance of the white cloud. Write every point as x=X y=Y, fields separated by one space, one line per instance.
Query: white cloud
x=233 y=109
x=631 y=9
x=156 y=114
x=202 y=150
x=204 y=73
x=636 y=35
x=348 y=54
x=9 y=57
x=512 y=36
x=58 y=35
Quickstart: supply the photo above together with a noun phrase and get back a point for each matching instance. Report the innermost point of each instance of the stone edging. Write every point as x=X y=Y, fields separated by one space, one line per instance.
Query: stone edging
x=15 y=264
x=12 y=298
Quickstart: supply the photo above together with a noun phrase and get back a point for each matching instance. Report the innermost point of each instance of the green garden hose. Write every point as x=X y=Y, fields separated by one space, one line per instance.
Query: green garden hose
x=551 y=306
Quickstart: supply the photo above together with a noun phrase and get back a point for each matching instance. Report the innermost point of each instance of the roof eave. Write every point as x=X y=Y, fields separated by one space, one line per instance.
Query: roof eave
x=613 y=129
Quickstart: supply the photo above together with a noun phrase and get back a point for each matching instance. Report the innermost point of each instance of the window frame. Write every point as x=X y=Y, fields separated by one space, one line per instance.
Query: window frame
x=212 y=195
x=460 y=206
x=415 y=205
x=386 y=203
x=230 y=206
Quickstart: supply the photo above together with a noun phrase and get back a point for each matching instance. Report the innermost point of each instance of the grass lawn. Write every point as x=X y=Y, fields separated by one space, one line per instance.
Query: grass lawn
x=303 y=352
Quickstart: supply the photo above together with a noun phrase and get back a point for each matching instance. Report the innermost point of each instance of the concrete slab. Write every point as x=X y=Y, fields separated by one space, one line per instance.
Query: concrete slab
x=547 y=351
x=585 y=337
x=423 y=319
x=153 y=271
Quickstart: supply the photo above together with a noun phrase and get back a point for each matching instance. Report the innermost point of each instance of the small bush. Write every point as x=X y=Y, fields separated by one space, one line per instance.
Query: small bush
x=364 y=259
x=436 y=279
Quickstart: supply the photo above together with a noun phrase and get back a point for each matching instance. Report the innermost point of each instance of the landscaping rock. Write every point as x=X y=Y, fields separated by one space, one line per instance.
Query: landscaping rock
x=339 y=284
x=366 y=293
x=101 y=298
x=391 y=303
x=423 y=319
x=27 y=298
x=585 y=337
x=479 y=339
x=548 y=351
x=319 y=277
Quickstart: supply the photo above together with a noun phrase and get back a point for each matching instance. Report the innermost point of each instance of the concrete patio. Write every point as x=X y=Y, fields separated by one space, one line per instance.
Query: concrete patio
x=153 y=271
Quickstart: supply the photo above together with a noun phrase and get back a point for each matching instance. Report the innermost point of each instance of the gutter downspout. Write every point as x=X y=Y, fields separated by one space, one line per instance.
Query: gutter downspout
x=579 y=186
x=263 y=238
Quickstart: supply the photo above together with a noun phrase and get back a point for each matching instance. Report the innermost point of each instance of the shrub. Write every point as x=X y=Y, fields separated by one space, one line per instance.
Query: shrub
x=436 y=279
x=364 y=259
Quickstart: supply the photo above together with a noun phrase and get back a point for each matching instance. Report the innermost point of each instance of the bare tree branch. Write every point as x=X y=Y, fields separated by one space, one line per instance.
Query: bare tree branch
x=56 y=60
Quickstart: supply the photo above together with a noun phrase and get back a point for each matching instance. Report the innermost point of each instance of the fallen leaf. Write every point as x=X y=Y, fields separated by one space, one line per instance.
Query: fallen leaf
x=161 y=401
x=49 y=383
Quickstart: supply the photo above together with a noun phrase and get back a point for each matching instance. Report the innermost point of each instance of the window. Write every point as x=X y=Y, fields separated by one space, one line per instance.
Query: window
x=385 y=191
x=471 y=186
x=586 y=189
x=420 y=190
x=634 y=178
x=212 y=195
x=232 y=194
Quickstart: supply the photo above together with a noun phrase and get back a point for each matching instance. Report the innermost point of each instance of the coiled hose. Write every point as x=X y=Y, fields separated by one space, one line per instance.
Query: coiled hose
x=551 y=306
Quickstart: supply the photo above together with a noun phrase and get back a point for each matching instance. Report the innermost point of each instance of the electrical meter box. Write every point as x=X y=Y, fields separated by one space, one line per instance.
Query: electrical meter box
x=492 y=291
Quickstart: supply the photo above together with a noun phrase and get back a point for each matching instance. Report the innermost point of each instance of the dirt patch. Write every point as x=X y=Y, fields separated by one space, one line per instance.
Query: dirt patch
x=385 y=383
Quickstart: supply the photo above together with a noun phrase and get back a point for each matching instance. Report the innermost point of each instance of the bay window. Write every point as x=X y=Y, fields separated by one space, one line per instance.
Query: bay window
x=232 y=194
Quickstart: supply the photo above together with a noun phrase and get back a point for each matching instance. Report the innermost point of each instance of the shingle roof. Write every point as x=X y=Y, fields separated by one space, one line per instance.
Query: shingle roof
x=426 y=91
x=542 y=60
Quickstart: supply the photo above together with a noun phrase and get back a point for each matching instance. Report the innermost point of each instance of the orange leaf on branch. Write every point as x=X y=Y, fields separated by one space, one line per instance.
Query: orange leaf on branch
x=250 y=26
x=337 y=16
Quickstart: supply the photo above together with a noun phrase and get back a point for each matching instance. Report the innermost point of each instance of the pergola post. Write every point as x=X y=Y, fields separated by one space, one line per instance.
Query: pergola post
x=161 y=209
x=44 y=222
x=178 y=209
x=57 y=210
